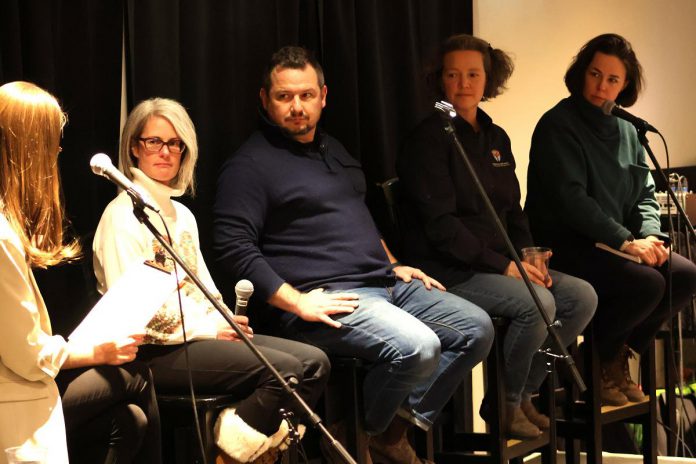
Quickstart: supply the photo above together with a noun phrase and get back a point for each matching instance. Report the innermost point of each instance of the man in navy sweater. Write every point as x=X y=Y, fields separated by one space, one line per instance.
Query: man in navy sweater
x=290 y=216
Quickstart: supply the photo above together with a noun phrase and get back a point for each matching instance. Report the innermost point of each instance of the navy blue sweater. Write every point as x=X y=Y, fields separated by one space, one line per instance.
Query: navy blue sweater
x=295 y=213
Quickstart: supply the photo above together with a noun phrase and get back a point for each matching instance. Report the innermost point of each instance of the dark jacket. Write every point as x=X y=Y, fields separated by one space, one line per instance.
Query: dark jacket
x=448 y=232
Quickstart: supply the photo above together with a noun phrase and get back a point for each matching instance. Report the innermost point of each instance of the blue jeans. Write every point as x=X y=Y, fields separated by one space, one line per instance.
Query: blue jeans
x=419 y=344
x=570 y=300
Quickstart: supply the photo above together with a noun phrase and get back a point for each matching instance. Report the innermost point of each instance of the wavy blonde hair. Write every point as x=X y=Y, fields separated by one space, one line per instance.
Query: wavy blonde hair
x=31 y=123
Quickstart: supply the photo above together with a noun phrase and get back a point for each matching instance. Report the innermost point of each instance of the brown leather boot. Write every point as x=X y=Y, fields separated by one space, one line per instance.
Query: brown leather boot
x=338 y=431
x=535 y=417
x=400 y=452
x=517 y=425
x=609 y=393
x=622 y=377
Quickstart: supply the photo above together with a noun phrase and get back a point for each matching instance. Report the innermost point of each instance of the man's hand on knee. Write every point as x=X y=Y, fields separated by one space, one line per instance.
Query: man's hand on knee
x=317 y=306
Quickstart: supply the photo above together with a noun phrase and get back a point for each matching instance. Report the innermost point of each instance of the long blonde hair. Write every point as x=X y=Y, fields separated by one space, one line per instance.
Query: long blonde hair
x=31 y=122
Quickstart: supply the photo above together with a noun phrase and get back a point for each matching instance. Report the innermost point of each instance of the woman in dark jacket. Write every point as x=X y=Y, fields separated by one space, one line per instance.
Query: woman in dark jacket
x=589 y=184
x=452 y=238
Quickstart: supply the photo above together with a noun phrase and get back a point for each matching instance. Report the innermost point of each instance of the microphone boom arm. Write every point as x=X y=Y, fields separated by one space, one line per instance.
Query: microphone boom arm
x=448 y=113
x=314 y=418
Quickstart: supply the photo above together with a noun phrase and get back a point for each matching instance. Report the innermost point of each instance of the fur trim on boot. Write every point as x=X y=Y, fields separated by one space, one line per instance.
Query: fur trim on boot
x=242 y=442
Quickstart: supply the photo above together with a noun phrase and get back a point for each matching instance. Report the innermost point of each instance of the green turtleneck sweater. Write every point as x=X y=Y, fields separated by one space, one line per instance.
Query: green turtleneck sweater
x=588 y=180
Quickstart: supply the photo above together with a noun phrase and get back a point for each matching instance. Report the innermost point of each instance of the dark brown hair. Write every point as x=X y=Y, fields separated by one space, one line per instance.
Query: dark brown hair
x=291 y=57
x=609 y=44
x=496 y=63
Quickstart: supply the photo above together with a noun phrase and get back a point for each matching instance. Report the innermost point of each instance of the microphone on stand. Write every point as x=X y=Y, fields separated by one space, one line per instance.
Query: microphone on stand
x=610 y=108
x=243 y=290
x=102 y=166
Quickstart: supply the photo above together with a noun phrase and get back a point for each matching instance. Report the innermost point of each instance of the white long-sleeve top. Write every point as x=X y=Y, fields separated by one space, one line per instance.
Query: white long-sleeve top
x=30 y=358
x=120 y=241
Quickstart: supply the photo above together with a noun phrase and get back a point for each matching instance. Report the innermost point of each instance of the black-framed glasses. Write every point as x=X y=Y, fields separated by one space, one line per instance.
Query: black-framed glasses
x=155 y=144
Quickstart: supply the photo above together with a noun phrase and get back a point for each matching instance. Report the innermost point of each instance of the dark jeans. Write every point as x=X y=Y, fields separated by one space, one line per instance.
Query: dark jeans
x=226 y=367
x=111 y=414
x=634 y=300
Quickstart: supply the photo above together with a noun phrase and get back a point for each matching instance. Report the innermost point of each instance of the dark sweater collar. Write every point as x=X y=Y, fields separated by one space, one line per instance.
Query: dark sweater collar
x=605 y=125
x=278 y=138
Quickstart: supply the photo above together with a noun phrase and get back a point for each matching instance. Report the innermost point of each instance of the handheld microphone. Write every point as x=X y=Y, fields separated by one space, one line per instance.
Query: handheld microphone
x=243 y=290
x=610 y=108
x=102 y=166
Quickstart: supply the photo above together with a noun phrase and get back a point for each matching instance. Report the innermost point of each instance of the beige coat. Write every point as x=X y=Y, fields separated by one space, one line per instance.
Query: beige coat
x=30 y=358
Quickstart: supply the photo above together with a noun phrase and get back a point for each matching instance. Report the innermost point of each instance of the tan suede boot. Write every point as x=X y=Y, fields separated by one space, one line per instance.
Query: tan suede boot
x=535 y=417
x=338 y=431
x=400 y=452
x=517 y=425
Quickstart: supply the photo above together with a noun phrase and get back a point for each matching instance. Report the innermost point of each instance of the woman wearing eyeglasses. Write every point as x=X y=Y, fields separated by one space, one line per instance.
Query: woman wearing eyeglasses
x=158 y=153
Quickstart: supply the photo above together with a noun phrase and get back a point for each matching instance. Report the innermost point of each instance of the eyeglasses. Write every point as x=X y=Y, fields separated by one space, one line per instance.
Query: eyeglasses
x=155 y=144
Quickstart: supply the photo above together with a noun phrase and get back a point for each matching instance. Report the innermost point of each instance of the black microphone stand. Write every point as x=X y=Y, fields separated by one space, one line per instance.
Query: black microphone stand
x=642 y=137
x=141 y=215
x=448 y=113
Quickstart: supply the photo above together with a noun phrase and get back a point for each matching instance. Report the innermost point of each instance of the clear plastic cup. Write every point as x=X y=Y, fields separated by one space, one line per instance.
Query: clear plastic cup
x=538 y=257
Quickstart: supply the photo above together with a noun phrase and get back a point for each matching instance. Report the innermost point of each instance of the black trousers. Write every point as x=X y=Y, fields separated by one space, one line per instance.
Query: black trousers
x=634 y=299
x=227 y=367
x=111 y=414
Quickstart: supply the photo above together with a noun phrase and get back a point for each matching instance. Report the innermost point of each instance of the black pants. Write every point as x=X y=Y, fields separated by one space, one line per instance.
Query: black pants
x=226 y=367
x=634 y=299
x=111 y=414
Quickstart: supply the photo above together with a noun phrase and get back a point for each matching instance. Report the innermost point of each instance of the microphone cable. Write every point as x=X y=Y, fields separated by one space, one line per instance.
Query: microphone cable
x=192 y=392
x=679 y=433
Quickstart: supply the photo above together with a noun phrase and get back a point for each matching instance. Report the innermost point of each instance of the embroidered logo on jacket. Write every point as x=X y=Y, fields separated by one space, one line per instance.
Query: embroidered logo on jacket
x=497 y=156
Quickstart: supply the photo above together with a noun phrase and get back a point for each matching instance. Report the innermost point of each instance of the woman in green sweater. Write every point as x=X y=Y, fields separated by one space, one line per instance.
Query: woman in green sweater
x=588 y=183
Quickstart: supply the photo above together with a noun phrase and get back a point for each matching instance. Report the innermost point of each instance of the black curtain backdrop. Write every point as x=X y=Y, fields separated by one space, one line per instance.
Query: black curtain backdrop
x=209 y=55
x=72 y=48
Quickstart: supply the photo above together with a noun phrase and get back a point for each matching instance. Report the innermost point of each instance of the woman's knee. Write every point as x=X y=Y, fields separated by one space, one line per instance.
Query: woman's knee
x=585 y=294
x=529 y=314
x=480 y=334
x=645 y=287
x=130 y=426
x=683 y=277
x=318 y=363
x=578 y=300
x=289 y=367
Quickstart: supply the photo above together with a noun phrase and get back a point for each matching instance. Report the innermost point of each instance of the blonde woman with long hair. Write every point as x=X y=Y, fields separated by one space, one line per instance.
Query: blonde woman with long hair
x=98 y=401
